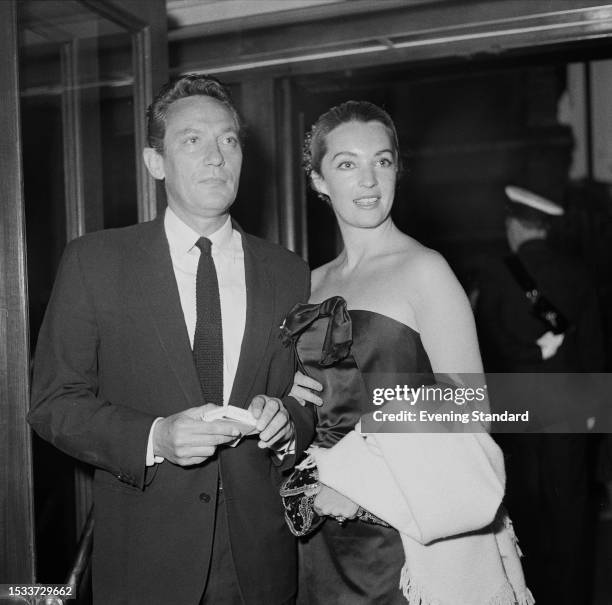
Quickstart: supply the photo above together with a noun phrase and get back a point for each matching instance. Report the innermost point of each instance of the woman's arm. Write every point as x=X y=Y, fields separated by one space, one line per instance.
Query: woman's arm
x=443 y=315
x=428 y=486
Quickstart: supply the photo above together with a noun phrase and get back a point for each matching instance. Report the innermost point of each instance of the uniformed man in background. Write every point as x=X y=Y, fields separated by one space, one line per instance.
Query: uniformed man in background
x=537 y=312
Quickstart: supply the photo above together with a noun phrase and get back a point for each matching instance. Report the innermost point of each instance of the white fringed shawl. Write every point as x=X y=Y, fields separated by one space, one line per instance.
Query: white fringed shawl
x=442 y=492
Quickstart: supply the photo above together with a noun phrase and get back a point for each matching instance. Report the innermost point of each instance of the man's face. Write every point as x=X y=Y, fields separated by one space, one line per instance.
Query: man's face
x=515 y=233
x=202 y=158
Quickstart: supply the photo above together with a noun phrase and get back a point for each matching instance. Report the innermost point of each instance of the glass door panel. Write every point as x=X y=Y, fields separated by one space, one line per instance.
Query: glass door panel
x=85 y=78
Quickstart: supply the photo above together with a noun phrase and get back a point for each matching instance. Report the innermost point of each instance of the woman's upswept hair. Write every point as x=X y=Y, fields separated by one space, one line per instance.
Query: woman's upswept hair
x=189 y=85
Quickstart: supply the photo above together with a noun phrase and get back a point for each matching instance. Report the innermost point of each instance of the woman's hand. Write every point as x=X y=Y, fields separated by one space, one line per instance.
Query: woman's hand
x=303 y=387
x=331 y=503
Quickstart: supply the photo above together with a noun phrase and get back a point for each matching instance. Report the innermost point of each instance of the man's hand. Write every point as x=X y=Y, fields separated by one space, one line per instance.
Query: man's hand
x=273 y=421
x=331 y=503
x=303 y=387
x=185 y=439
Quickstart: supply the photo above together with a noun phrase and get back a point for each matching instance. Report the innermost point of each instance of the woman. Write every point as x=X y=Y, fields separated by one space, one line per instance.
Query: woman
x=409 y=319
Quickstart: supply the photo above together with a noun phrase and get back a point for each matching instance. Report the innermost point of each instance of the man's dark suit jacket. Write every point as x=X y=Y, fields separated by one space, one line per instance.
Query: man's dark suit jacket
x=112 y=355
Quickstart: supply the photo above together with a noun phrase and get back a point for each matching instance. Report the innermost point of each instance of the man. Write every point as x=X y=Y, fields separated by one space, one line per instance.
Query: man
x=537 y=312
x=147 y=328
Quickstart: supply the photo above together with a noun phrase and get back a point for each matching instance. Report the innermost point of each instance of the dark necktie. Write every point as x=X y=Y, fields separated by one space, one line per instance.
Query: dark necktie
x=208 y=337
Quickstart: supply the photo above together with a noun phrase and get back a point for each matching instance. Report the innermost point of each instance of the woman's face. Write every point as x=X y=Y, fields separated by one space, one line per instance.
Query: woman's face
x=358 y=173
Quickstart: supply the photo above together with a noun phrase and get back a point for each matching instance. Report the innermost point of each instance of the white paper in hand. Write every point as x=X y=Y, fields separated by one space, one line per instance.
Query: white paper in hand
x=242 y=419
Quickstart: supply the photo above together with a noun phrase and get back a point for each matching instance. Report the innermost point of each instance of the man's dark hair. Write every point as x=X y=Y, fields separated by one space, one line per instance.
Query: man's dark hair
x=189 y=85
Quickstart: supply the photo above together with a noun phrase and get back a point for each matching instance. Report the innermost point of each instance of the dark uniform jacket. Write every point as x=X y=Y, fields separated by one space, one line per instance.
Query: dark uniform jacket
x=508 y=330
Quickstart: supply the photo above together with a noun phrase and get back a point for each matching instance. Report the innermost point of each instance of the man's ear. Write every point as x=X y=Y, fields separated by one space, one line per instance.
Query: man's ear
x=154 y=162
x=318 y=183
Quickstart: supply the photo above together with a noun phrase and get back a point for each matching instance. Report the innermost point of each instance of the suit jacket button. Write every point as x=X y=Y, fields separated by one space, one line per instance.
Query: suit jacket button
x=204 y=497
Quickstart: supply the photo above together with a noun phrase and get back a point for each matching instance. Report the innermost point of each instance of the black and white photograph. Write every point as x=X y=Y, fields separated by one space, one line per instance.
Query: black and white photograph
x=306 y=302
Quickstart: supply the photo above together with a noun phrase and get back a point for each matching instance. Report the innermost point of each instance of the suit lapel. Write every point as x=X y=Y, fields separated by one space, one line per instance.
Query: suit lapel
x=160 y=293
x=155 y=275
x=260 y=315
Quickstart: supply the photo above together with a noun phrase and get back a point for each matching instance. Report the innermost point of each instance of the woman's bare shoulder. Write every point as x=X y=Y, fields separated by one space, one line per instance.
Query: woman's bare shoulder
x=421 y=262
x=423 y=274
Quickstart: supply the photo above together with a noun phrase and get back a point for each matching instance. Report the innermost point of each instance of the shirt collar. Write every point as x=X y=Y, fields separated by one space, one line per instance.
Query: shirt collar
x=182 y=238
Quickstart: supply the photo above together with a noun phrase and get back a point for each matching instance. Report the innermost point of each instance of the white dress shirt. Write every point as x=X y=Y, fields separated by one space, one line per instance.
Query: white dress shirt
x=228 y=257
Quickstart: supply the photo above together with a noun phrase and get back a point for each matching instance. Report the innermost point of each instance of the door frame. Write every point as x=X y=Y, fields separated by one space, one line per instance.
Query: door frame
x=146 y=21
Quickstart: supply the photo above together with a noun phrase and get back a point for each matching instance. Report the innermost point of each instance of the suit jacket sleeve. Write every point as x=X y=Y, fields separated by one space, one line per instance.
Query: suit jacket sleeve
x=67 y=408
x=303 y=417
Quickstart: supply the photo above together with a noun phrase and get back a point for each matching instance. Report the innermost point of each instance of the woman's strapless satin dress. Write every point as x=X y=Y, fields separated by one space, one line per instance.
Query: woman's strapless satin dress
x=352 y=353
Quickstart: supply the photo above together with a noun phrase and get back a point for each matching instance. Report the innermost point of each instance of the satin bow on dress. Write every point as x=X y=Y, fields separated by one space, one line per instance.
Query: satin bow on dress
x=339 y=333
x=322 y=335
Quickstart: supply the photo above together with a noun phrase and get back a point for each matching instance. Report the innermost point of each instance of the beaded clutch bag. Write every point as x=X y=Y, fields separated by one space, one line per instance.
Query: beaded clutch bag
x=298 y=494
